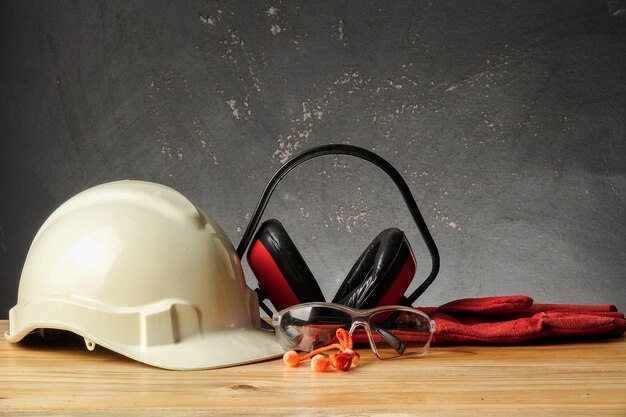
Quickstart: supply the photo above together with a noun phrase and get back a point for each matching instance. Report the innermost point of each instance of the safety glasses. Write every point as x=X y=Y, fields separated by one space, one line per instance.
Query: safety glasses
x=391 y=331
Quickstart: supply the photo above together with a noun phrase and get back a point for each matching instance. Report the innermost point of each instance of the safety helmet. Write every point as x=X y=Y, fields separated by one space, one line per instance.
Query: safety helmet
x=136 y=268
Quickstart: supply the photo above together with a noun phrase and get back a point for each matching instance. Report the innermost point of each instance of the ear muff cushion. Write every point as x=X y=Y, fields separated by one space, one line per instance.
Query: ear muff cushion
x=382 y=273
x=280 y=269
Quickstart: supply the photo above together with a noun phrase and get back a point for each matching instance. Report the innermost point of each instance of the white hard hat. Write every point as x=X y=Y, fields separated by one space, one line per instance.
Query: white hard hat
x=136 y=268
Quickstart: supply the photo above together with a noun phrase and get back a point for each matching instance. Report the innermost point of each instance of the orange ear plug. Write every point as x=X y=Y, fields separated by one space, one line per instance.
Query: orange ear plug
x=342 y=360
x=291 y=358
x=319 y=363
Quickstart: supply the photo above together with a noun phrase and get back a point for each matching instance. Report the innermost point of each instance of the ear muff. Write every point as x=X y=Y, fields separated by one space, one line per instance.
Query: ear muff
x=281 y=271
x=358 y=284
x=382 y=273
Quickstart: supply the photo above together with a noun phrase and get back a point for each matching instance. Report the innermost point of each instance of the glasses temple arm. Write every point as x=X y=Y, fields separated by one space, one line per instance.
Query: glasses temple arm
x=393 y=341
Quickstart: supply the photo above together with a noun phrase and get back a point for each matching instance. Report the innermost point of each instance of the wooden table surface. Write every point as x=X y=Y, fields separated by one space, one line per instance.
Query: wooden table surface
x=566 y=379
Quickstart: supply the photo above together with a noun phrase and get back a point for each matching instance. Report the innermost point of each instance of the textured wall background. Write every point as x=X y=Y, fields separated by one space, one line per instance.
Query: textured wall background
x=507 y=120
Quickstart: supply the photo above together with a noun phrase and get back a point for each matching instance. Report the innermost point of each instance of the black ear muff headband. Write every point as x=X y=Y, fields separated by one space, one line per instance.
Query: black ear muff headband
x=340 y=149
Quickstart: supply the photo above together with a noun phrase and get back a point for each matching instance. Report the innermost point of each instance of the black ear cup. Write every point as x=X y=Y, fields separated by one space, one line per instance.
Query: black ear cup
x=281 y=271
x=380 y=276
x=382 y=273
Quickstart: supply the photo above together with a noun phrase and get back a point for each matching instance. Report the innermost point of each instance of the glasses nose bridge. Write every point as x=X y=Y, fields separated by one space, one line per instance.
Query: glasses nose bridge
x=359 y=323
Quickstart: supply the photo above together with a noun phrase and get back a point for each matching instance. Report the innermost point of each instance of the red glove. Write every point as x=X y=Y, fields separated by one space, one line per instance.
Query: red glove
x=514 y=319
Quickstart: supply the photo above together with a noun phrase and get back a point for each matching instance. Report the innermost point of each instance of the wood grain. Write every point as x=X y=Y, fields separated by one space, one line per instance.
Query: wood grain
x=582 y=378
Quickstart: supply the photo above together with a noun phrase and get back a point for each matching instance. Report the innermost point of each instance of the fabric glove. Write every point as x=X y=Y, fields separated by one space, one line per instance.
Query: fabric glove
x=516 y=318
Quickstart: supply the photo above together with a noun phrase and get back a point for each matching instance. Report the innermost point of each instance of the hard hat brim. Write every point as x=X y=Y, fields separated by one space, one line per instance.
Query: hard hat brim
x=217 y=350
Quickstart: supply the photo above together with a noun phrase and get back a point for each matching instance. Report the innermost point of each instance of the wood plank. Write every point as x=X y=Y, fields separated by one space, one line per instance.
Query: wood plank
x=582 y=378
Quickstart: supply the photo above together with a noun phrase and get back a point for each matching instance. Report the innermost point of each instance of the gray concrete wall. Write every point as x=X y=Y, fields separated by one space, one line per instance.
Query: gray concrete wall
x=507 y=120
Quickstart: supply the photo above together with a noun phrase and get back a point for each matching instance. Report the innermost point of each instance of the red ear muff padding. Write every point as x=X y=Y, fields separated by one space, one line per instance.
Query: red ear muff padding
x=281 y=271
x=382 y=273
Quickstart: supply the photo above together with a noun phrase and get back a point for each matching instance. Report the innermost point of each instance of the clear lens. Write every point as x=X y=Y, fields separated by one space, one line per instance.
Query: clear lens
x=396 y=331
x=400 y=333
x=307 y=328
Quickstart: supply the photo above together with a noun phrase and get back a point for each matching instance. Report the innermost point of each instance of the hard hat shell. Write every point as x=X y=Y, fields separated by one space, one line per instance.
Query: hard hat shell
x=135 y=267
